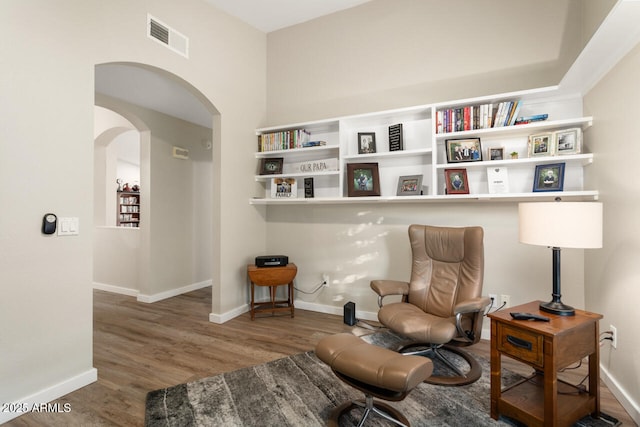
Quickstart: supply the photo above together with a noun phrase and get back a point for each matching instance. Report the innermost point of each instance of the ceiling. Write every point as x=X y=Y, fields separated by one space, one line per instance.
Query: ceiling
x=271 y=15
x=148 y=89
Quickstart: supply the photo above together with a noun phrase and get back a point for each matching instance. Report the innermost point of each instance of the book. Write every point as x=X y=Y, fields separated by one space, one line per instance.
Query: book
x=395 y=137
x=498 y=180
x=531 y=119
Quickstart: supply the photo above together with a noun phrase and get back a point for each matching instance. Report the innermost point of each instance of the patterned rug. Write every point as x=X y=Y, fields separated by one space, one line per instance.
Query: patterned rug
x=301 y=390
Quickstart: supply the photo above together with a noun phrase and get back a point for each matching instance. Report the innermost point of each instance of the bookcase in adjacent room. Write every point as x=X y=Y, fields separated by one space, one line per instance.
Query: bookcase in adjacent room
x=128 y=214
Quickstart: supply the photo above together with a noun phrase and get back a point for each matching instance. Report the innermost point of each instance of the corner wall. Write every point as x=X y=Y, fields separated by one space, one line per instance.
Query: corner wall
x=612 y=273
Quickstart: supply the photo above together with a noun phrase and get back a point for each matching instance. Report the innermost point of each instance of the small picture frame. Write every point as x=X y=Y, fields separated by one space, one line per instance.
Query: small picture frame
x=366 y=142
x=363 y=179
x=409 y=185
x=271 y=165
x=463 y=150
x=284 y=188
x=549 y=177
x=496 y=153
x=456 y=180
x=541 y=145
x=568 y=141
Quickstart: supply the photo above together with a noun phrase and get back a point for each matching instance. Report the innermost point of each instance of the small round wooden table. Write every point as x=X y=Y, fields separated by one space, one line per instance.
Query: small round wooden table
x=272 y=277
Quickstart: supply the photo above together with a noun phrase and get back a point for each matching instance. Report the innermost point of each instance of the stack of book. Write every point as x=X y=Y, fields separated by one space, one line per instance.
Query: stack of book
x=484 y=116
x=285 y=140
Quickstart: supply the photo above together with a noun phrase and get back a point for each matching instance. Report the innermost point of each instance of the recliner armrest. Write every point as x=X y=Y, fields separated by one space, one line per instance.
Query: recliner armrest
x=390 y=287
x=472 y=305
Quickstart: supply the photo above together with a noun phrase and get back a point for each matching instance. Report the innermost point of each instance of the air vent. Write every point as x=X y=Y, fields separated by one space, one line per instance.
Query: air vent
x=162 y=33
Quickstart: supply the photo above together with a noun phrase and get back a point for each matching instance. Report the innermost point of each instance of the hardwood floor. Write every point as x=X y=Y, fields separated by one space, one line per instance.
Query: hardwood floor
x=141 y=347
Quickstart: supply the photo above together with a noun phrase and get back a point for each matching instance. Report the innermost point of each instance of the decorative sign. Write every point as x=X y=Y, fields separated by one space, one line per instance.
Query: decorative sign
x=395 y=137
x=308 y=188
x=498 y=180
x=312 y=166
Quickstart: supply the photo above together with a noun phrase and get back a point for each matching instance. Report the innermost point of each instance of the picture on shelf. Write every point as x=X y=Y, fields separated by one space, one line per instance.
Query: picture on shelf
x=363 y=179
x=541 y=145
x=410 y=185
x=366 y=142
x=284 y=188
x=568 y=141
x=463 y=150
x=456 y=180
x=496 y=153
x=549 y=177
x=271 y=165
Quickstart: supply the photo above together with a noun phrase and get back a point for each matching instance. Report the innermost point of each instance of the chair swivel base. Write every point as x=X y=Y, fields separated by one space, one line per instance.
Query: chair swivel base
x=370 y=405
x=462 y=378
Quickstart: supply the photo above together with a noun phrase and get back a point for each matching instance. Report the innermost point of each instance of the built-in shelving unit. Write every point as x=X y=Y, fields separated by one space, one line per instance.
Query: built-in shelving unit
x=424 y=153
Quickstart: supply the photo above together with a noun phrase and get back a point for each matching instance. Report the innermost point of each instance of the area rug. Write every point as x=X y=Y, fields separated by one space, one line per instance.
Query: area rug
x=301 y=390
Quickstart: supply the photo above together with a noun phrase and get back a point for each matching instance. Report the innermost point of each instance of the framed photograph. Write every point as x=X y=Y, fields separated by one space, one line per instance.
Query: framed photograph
x=457 y=182
x=541 y=145
x=284 y=188
x=363 y=179
x=410 y=185
x=549 y=177
x=366 y=142
x=271 y=165
x=568 y=141
x=463 y=150
x=496 y=153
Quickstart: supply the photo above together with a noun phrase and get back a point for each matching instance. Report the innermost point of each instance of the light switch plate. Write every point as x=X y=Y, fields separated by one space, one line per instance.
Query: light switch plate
x=69 y=226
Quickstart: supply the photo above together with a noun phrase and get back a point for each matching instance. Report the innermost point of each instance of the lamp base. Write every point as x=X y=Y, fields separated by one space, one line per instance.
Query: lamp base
x=557 y=307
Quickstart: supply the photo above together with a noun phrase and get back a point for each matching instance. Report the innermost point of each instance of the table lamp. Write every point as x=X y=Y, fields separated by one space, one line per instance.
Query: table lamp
x=560 y=225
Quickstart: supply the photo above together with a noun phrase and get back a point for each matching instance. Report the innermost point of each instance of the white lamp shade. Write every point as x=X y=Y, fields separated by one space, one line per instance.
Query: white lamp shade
x=561 y=224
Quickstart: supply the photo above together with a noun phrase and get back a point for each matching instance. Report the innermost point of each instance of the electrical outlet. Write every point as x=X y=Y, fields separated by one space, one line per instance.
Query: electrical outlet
x=325 y=280
x=505 y=300
x=614 y=336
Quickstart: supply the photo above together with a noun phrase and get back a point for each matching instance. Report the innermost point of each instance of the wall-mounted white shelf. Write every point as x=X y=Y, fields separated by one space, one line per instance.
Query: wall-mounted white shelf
x=424 y=152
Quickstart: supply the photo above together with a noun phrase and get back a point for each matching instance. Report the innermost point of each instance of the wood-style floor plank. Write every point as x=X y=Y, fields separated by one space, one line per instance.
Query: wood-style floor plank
x=141 y=347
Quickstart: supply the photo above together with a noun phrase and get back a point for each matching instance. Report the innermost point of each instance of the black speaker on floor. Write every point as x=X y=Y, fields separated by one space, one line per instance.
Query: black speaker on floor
x=350 y=313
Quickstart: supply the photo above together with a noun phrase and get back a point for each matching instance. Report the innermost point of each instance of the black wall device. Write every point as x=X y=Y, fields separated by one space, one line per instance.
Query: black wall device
x=49 y=223
x=350 y=313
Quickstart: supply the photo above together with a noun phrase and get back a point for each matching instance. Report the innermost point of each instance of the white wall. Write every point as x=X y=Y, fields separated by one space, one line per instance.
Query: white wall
x=47 y=86
x=388 y=54
x=613 y=273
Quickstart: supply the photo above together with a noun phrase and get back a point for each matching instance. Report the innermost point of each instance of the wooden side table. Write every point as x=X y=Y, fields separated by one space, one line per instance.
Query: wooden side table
x=542 y=399
x=272 y=277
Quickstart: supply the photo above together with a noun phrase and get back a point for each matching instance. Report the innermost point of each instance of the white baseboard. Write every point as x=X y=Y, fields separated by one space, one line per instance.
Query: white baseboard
x=225 y=317
x=115 y=289
x=173 y=292
x=52 y=393
x=627 y=402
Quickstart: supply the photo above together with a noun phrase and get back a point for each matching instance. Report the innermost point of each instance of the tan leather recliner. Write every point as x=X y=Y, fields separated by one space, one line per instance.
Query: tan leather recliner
x=442 y=305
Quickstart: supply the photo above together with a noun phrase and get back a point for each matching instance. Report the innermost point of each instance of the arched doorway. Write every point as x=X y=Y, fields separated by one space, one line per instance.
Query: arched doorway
x=175 y=242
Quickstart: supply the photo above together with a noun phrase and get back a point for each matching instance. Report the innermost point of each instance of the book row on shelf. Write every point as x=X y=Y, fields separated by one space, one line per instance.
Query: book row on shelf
x=129 y=200
x=129 y=208
x=483 y=116
x=286 y=140
x=128 y=218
